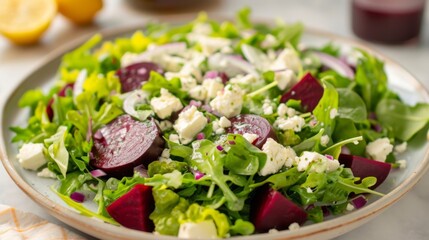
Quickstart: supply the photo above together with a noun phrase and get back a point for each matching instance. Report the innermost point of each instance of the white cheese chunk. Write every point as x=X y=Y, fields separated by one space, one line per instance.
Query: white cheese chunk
x=31 y=156
x=400 y=148
x=287 y=59
x=166 y=104
x=198 y=92
x=379 y=149
x=190 y=122
x=324 y=140
x=202 y=230
x=278 y=156
x=46 y=173
x=319 y=163
x=224 y=122
x=285 y=79
x=295 y=123
x=250 y=137
x=212 y=87
x=269 y=41
x=229 y=102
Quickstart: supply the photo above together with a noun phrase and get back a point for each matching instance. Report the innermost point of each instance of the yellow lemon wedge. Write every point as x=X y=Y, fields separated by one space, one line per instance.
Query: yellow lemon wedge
x=80 y=12
x=24 y=21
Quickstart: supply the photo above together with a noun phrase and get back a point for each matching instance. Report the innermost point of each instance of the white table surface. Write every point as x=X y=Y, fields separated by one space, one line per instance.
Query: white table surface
x=407 y=219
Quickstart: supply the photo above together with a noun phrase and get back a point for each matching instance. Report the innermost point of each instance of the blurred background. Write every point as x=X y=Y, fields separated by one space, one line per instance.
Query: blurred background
x=79 y=18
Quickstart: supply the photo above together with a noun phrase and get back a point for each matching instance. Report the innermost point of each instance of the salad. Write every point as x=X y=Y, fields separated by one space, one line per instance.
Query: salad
x=216 y=129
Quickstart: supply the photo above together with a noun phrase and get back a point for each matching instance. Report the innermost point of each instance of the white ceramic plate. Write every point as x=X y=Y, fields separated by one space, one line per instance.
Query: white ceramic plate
x=396 y=185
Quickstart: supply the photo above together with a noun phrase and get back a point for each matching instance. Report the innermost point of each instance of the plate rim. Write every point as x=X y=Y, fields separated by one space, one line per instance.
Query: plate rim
x=97 y=228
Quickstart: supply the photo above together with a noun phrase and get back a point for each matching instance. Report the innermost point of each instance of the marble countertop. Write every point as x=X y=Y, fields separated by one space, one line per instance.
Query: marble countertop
x=407 y=219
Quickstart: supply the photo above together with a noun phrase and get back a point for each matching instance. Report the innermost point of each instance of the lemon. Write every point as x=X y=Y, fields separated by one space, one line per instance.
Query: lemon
x=80 y=12
x=24 y=21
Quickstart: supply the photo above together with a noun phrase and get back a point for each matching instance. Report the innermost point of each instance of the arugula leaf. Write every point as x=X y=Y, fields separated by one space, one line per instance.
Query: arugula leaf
x=327 y=107
x=82 y=58
x=242 y=157
x=209 y=161
x=346 y=129
x=351 y=105
x=73 y=182
x=280 y=180
x=404 y=121
x=243 y=18
x=371 y=80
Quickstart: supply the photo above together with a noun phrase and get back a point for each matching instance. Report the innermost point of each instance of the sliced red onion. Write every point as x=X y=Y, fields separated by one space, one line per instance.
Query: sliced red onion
x=98 y=173
x=372 y=116
x=256 y=57
x=231 y=65
x=134 y=98
x=335 y=64
x=231 y=142
x=326 y=211
x=345 y=150
x=219 y=147
x=78 y=85
x=77 y=197
x=141 y=170
x=215 y=74
x=200 y=136
x=195 y=103
x=359 y=201
x=197 y=174
x=330 y=157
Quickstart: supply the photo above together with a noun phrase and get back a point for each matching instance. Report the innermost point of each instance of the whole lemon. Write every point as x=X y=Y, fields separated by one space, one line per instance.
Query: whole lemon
x=24 y=21
x=80 y=12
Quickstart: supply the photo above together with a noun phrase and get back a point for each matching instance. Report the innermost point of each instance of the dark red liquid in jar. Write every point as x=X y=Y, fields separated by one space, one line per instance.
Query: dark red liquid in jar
x=387 y=21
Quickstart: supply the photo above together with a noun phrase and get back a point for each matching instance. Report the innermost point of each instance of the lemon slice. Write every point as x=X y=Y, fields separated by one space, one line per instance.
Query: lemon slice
x=24 y=21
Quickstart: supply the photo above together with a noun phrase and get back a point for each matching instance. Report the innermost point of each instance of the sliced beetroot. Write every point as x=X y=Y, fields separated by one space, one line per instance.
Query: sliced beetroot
x=124 y=144
x=363 y=167
x=249 y=123
x=270 y=209
x=61 y=93
x=308 y=90
x=134 y=75
x=132 y=209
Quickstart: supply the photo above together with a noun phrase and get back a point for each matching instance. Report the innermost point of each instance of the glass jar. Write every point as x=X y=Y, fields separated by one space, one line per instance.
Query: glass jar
x=387 y=21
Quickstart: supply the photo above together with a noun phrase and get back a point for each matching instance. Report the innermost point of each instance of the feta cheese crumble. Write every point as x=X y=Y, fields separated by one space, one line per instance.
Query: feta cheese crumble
x=31 y=156
x=205 y=229
x=400 y=148
x=285 y=79
x=229 y=102
x=190 y=122
x=295 y=123
x=287 y=59
x=165 y=104
x=250 y=137
x=224 y=122
x=278 y=156
x=319 y=163
x=379 y=149
x=46 y=173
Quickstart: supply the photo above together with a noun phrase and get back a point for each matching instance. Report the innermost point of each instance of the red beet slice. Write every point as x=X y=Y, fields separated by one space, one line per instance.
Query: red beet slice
x=363 y=167
x=124 y=144
x=270 y=209
x=132 y=210
x=308 y=90
x=61 y=93
x=134 y=75
x=249 y=123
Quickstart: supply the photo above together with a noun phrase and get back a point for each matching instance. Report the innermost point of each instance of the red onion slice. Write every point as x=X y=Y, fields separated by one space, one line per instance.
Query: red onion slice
x=335 y=64
x=231 y=65
x=256 y=57
x=98 y=173
x=77 y=197
x=359 y=201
